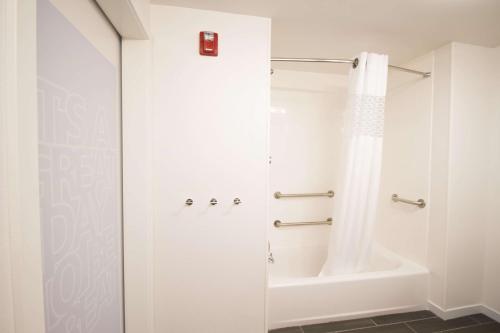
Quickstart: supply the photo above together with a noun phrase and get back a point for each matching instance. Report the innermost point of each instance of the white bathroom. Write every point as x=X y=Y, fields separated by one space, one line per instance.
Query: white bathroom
x=285 y=166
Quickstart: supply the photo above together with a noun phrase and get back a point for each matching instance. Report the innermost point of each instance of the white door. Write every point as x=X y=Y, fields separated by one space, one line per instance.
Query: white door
x=80 y=167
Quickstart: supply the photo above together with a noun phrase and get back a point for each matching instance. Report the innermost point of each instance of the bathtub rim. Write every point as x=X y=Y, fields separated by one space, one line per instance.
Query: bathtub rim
x=405 y=267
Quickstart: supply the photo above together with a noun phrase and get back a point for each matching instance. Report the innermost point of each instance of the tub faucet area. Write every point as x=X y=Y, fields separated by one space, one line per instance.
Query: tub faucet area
x=270 y=258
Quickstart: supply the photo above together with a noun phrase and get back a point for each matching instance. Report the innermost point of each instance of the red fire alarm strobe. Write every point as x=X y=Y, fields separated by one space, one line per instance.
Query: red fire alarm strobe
x=209 y=42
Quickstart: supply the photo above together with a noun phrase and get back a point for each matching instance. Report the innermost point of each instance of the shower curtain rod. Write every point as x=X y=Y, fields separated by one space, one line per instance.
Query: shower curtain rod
x=348 y=61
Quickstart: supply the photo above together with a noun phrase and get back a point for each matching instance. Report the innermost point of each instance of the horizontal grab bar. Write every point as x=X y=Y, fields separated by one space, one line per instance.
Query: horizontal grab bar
x=279 y=195
x=420 y=202
x=279 y=224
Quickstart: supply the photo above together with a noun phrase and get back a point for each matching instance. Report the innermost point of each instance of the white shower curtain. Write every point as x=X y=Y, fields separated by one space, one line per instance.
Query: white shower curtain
x=356 y=197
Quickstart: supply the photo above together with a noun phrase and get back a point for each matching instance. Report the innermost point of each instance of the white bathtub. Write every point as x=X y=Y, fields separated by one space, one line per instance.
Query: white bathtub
x=298 y=296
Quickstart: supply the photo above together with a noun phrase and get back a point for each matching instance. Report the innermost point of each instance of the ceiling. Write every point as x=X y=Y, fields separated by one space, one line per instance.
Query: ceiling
x=403 y=29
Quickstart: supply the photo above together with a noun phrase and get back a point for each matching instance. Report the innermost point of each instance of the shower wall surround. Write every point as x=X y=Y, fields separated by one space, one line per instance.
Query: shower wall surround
x=306 y=120
x=210 y=136
x=405 y=162
x=80 y=177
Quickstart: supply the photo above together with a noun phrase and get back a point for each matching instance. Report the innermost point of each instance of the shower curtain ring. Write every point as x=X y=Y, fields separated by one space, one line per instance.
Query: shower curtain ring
x=355 y=63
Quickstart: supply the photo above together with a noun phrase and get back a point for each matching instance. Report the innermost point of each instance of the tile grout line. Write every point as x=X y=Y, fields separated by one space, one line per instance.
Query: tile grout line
x=459 y=328
x=477 y=323
x=362 y=328
x=419 y=319
x=409 y=327
x=406 y=321
x=382 y=325
x=378 y=325
x=476 y=320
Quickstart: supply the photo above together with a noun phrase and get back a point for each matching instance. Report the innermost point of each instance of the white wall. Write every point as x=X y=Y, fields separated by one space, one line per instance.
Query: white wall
x=210 y=136
x=463 y=187
x=438 y=198
x=306 y=119
x=491 y=283
x=470 y=126
x=405 y=163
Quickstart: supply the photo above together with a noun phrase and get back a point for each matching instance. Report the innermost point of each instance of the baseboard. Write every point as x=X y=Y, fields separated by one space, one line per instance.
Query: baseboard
x=493 y=314
x=463 y=311
x=346 y=316
x=436 y=309
x=454 y=312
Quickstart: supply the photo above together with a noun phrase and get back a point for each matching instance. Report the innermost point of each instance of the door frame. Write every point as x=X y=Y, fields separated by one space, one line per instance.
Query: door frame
x=21 y=304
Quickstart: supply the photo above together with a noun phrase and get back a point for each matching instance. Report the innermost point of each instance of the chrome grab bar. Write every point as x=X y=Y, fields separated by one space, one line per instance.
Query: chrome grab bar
x=279 y=195
x=279 y=224
x=420 y=202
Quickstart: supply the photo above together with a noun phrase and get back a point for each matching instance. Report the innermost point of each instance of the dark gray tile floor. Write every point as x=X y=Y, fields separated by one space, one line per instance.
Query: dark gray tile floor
x=409 y=322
